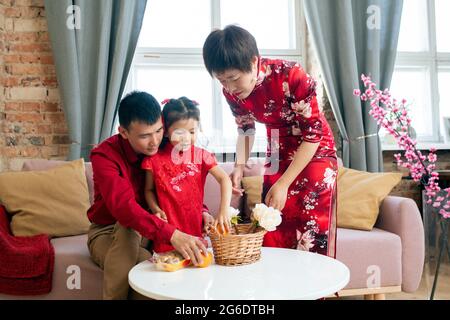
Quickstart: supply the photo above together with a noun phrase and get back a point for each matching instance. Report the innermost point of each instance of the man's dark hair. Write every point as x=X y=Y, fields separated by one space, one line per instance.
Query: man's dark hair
x=230 y=48
x=138 y=106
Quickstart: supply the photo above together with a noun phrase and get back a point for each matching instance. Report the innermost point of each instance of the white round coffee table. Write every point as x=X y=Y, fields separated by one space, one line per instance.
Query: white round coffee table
x=280 y=274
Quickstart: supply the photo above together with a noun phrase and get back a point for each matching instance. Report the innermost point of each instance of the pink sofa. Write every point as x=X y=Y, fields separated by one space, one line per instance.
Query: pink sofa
x=387 y=259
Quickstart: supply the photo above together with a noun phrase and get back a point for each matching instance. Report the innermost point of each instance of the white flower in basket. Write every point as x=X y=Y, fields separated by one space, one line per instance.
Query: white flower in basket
x=233 y=215
x=266 y=217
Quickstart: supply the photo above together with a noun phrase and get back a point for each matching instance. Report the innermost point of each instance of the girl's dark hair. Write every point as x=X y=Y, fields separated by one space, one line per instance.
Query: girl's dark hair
x=178 y=109
x=138 y=106
x=230 y=48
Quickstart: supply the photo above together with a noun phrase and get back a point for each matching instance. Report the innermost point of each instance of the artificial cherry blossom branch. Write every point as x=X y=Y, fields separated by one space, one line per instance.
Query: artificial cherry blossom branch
x=393 y=117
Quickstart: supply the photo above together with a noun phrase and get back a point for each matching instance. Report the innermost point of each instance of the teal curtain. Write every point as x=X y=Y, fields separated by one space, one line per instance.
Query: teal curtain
x=93 y=43
x=352 y=37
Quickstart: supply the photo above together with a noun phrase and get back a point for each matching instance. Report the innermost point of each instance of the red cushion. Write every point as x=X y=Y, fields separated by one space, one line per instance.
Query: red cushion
x=4 y=221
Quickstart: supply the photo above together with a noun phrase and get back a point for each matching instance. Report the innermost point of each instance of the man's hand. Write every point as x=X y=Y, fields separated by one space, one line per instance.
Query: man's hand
x=189 y=246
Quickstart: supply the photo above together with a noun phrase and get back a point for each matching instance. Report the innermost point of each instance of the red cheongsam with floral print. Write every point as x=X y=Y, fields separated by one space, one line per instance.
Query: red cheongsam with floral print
x=179 y=179
x=284 y=99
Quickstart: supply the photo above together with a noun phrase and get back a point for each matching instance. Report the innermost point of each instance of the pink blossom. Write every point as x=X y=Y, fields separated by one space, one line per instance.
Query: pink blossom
x=432 y=157
x=436 y=205
x=445 y=214
x=393 y=116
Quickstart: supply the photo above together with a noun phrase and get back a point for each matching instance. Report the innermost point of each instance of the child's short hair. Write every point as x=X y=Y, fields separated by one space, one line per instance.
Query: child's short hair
x=230 y=48
x=138 y=106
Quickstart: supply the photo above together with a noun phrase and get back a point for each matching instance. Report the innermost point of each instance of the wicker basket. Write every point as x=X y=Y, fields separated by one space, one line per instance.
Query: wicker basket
x=239 y=248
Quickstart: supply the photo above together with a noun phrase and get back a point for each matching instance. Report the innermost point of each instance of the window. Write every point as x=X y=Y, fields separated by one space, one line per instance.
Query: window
x=168 y=61
x=422 y=71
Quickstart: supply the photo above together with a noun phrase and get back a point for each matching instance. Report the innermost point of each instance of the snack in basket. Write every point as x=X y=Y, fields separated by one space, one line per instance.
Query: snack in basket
x=233 y=216
x=173 y=261
x=218 y=230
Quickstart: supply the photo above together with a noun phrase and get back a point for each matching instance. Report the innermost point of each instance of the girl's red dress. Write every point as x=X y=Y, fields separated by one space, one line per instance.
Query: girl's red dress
x=284 y=99
x=179 y=179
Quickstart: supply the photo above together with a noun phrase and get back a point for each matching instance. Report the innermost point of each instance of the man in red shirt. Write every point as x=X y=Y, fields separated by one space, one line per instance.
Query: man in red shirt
x=118 y=216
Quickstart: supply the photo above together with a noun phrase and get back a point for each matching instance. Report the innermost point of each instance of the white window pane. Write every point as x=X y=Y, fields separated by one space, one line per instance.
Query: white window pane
x=231 y=131
x=228 y=121
x=444 y=95
x=413 y=85
x=165 y=82
x=176 y=23
x=414 y=26
x=271 y=22
x=442 y=25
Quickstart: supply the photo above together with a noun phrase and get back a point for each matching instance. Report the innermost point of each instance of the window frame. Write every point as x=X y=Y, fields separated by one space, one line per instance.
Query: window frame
x=433 y=61
x=158 y=56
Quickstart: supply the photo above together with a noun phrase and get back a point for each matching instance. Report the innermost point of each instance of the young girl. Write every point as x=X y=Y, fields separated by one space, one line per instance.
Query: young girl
x=281 y=95
x=176 y=175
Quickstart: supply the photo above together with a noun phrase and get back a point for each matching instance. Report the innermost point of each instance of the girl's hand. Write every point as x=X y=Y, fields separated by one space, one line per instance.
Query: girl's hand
x=162 y=215
x=277 y=196
x=208 y=221
x=222 y=222
x=236 y=178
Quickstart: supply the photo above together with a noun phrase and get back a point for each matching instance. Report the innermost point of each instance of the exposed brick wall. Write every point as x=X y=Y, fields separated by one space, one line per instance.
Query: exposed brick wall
x=34 y=124
x=2 y=89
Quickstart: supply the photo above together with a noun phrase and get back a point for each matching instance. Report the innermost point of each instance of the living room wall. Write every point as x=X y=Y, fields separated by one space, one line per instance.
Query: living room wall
x=32 y=121
x=2 y=89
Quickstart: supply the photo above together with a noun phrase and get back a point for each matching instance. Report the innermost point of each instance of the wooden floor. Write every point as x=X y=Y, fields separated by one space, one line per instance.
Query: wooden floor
x=423 y=293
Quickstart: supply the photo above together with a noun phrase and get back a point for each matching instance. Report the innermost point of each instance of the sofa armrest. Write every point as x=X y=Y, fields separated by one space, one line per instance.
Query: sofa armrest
x=401 y=216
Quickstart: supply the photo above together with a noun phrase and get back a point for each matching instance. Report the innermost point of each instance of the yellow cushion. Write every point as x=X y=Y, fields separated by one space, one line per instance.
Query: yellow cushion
x=360 y=195
x=253 y=189
x=52 y=202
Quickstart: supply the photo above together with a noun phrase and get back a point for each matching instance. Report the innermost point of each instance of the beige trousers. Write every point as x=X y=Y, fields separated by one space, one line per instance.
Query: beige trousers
x=116 y=250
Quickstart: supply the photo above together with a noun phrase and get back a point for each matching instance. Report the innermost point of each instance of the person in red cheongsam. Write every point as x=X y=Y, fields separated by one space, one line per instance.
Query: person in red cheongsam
x=176 y=175
x=301 y=166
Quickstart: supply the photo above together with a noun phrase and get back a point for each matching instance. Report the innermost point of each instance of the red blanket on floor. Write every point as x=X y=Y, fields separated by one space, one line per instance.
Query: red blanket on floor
x=26 y=263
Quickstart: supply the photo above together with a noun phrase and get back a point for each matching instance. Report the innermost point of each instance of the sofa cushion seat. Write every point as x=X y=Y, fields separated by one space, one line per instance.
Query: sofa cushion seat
x=72 y=258
x=374 y=257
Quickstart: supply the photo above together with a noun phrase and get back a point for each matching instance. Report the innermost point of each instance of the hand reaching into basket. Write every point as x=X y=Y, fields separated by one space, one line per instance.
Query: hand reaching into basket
x=225 y=220
x=222 y=223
